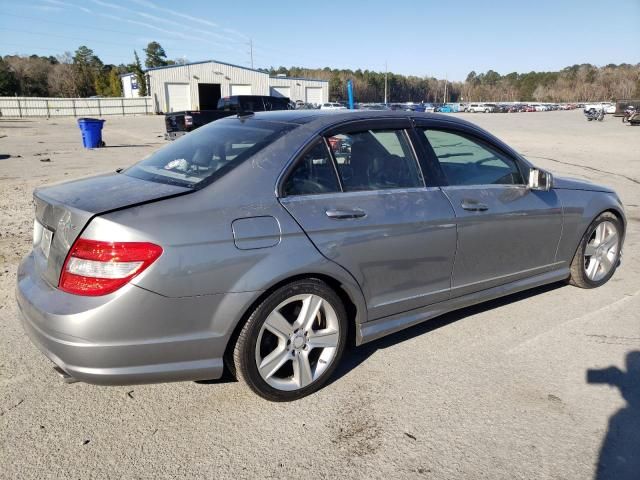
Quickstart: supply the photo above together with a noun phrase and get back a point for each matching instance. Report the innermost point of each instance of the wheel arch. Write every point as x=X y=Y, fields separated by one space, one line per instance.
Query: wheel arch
x=355 y=308
x=618 y=213
x=580 y=209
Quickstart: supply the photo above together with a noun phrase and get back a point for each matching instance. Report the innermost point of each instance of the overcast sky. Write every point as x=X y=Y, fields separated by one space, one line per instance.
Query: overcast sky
x=414 y=37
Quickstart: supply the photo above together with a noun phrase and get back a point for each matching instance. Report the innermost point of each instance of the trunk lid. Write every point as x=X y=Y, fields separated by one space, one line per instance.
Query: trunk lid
x=64 y=210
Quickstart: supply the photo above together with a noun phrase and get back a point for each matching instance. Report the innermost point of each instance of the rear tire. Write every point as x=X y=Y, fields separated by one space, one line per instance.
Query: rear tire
x=292 y=342
x=598 y=254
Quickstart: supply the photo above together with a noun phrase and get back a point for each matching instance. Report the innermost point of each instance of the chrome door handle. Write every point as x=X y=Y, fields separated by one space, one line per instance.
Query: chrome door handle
x=341 y=214
x=473 y=206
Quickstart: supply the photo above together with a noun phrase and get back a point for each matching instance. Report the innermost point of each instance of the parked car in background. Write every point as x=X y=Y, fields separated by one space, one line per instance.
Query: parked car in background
x=332 y=106
x=306 y=106
x=372 y=106
x=609 y=108
x=260 y=241
x=457 y=107
x=180 y=123
x=480 y=108
x=497 y=107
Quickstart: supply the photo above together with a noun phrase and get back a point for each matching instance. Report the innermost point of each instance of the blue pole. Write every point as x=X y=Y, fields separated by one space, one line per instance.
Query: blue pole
x=350 y=93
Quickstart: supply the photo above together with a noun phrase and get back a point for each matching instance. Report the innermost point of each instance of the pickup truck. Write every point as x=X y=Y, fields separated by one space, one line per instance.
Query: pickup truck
x=180 y=123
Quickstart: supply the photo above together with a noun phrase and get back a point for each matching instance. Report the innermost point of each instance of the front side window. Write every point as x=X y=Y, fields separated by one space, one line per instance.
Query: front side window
x=313 y=173
x=375 y=160
x=466 y=161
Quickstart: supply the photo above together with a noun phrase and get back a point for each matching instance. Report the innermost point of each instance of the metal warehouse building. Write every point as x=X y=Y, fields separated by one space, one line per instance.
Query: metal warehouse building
x=199 y=85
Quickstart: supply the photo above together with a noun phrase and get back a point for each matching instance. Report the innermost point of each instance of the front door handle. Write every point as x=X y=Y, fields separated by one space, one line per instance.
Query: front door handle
x=474 y=206
x=340 y=214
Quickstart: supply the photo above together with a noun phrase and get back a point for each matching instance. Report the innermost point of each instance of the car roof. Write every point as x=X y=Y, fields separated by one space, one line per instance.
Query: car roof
x=326 y=118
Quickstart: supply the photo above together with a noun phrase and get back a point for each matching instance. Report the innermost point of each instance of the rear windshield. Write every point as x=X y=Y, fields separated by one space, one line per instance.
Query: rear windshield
x=208 y=152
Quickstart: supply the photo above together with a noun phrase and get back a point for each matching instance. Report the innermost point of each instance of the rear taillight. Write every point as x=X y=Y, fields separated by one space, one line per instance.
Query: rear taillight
x=95 y=268
x=188 y=120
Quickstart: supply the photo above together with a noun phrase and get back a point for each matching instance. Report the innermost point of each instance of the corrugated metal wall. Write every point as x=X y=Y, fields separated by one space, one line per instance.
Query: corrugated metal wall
x=297 y=87
x=225 y=75
x=208 y=72
x=73 y=107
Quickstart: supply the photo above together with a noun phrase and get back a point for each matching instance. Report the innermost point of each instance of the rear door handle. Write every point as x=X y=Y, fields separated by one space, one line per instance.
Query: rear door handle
x=474 y=206
x=339 y=214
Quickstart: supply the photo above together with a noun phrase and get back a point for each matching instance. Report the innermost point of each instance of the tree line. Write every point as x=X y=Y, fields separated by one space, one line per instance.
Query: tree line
x=83 y=74
x=577 y=83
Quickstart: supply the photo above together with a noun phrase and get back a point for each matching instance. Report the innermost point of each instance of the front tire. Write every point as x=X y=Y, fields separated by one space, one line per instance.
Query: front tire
x=598 y=254
x=292 y=341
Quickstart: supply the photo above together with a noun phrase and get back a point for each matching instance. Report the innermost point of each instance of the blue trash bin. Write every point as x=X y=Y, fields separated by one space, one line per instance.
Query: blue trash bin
x=91 y=129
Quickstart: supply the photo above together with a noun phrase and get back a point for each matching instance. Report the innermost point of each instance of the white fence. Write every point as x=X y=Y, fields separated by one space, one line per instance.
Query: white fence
x=73 y=107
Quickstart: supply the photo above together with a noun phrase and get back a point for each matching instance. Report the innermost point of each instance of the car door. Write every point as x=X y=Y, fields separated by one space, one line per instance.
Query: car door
x=506 y=231
x=359 y=194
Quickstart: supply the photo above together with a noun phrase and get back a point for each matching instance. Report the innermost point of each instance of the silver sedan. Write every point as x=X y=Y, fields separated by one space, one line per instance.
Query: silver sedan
x=265 y=243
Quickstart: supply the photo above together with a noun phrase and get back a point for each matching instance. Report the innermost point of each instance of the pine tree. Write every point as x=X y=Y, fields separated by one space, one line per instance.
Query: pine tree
x=140 y=77
x=156 y=56
x=115 y=85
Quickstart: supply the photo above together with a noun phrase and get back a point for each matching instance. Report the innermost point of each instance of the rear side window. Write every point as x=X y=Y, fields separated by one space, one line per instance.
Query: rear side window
x=208 y=152
x=466 y=161
x=375 y=160
x=313 y=173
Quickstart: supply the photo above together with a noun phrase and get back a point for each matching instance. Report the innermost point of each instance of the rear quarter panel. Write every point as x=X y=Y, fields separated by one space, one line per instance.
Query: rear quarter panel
x=201 y=255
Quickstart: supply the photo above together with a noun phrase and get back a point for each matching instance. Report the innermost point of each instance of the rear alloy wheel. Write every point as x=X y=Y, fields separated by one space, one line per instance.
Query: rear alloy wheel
x=598 y=255
x=292 y=341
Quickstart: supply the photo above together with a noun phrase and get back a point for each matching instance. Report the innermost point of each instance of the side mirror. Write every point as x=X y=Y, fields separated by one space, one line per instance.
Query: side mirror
x=540 y=180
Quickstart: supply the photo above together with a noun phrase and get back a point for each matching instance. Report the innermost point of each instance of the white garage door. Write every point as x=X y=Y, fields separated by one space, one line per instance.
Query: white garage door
x=240 y=89
x=313 y=95
x=178 y=97
x=281 y=92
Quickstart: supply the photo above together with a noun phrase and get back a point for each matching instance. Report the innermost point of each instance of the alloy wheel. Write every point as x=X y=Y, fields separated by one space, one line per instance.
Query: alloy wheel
x=601 y=251
x=297 y=342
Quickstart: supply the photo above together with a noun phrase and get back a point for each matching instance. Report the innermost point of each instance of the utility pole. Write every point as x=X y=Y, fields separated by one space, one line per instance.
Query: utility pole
x=385 y=83
x=445 y=89
x=251 y=50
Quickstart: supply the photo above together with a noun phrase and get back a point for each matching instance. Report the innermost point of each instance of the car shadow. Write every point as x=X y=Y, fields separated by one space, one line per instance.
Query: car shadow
x=353 y=357
x=131 y=146
x=619 y=457
x=226 y=377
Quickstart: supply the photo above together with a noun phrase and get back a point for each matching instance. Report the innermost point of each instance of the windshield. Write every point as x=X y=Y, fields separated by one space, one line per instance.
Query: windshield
x=208 y=153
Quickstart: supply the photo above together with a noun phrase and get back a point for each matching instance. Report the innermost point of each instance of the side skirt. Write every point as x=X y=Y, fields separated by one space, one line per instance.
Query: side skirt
x=366 y=332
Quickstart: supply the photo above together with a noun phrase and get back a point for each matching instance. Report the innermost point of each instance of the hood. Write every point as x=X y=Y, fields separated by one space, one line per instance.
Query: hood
x=566 y=183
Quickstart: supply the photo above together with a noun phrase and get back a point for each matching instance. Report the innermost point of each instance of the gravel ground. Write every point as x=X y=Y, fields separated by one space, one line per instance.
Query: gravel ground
x=497 y=391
